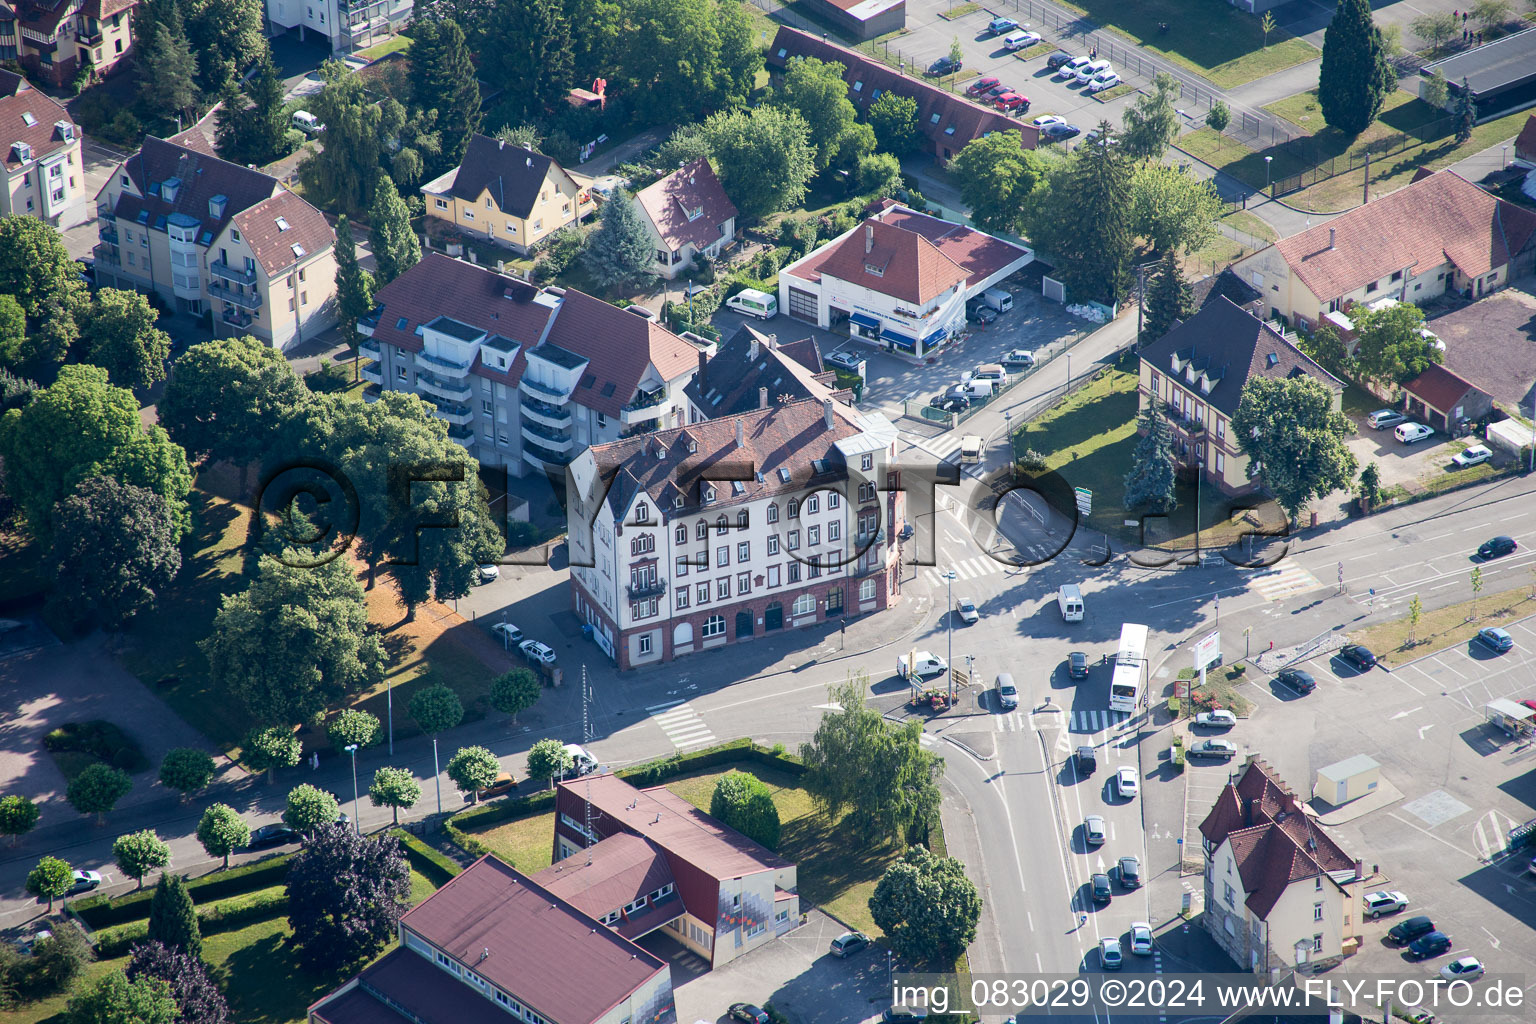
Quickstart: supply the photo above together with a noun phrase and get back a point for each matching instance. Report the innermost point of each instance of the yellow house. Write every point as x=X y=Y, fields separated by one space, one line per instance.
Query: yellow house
x=1195 y=374
x=1440 y=234
x=506 y=194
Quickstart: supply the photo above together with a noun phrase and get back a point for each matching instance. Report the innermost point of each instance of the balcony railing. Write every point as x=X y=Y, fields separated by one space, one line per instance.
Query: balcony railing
x=105 y=212
x=371 y=349
x=534 y=389
x=449 y=366
x=544 y=458
x=459 y=415
x=534 y=434
x=218 y=268
x=542 y=412
x=462 y=435
x=648 y=399
x=453 y=391
x=641 y=591
x=373 y=373
x=108 y=233
x=88 y=38
x=247 y=300
x=235 y=318
x=107 y=254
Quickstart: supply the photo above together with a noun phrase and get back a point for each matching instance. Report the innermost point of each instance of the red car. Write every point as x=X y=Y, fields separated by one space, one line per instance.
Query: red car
x=1530 y=704
x=1012 y=101
x=980 y=86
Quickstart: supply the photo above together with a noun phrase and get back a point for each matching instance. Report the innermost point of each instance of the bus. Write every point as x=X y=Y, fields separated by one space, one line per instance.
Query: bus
x=1129 y=681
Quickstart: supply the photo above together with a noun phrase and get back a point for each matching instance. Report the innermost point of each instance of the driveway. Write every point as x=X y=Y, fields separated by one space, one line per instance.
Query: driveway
x=1405 y=464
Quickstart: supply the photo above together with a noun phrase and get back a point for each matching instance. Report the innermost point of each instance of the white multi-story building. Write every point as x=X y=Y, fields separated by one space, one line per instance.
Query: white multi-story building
x=41 y=168
x=348 y=24
x=718 y=531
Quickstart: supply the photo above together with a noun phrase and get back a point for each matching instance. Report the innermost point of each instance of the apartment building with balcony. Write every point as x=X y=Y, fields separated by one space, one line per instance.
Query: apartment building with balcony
x=715 y=532
x=215 y=238
x=526 y=378
x=1195 y=374
x=42 y=171
x=505 y=194
x=52 y=38
x=348 y=24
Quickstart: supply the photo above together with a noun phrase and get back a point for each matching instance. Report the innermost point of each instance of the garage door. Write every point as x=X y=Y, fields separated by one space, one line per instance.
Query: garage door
x=802 y=305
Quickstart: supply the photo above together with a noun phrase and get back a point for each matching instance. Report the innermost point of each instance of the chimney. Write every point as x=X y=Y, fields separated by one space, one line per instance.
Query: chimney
x=1253 y=813
x=869 y=238
x=741 y=435
x=1331 y=234
x=703 y=372
x=1359 y=870
x=826 y=408
x=762 y=398
x=773 y=341
x=752 y=349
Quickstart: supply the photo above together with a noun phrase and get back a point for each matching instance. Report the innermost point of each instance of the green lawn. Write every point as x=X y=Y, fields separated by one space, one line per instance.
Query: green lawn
x=1209 y=37
x=527 y=843
x=391 y=45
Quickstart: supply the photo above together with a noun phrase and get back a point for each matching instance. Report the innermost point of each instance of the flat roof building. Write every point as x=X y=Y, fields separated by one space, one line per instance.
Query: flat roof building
x=1501 y=74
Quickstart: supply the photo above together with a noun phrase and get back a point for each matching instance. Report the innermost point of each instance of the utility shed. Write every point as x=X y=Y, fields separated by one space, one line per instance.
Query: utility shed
x=1347 y=780
x=1517 y=720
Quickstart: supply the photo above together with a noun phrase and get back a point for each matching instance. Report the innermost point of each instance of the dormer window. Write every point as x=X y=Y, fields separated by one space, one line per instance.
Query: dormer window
x=23 y=152
x=783 y=475
x=169 y=189
x=709 y=495
x=695 y=213
x=870 y=268
x=1205 y=385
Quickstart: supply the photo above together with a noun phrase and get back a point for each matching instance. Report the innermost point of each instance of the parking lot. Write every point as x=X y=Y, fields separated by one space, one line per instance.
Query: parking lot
x=1401 y=463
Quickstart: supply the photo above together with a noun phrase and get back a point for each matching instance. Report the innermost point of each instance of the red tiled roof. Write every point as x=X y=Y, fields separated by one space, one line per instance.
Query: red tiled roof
x=1439 y=388
x=979 y=254
x=17 y=99
x=417 y=986
x=910 y=267
x=475 y=295
x=189 y=158
x=619 y=346
x=675 y=825
x=103 y=9
x=692 y=187
x=1525 y=142
x=1437 y=218
x=274 y=244
x=610 y=875
x=553 y=958
x=806 y=352
x=944 y=118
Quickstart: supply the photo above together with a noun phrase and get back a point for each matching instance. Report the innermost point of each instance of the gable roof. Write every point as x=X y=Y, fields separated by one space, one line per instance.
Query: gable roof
x=475 y=295
x=534 y=939
x=668 y=202
x=619 y=347
x=1440 y=217
x=729 y=382
x=886 y=259
x=283 y=230
x=1229 y=284
x=513 y=175
x=806 y=352
x=409 y=982
x=979 y=254
x=611 y=874
x=1223 y=346
x=20 y=103
x=944 y=118
x=189 y=159
x=1439 y=388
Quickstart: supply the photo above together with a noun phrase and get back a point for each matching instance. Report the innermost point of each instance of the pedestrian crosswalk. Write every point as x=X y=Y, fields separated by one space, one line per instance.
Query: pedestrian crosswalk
x=1097 y=721
x=1288 y=581
x=682 y=724
x=968 y=569
x=1010 y=721
x=926 y=740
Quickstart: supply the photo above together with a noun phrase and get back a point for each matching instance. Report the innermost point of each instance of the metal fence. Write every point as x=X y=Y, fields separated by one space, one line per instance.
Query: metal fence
x=1334 y=166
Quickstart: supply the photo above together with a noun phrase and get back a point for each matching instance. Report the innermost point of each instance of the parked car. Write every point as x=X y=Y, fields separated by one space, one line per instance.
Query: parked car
x=1472 y=456
x=1077 y=665
x=980 y=313
x=504 y=784
x=1426 y=946
x=953 y=400
x=1087 y=72
x=1059 y=58
x=1495 y=638
x=533 y=650
x=1102 y=893
x=904 y=1015
x=996 y=91
x=488 y=572
x=1127 y=785
x=1018 y=357
x=747 y=1013
x=507 y=633
x=1385 y=418
x=1069 y=69
x=272 y=835
x=1386 y=902
x=1106 y=79
x=1406 y=931
x=1011 y=101
x=1110 y=957
x=846 y=360
x=1296 y=679
x=1141 y=938
x=1130 y=872
x=1411 y=433
x=997 y=26
x=1213 y=748
x=1093 y=830
x=1216 y=719
x=1059 y=132
x=1498 y=547
x=1463 y=968
x=1046 y=120
x=849 y=943
x=86 y=268
x=1087 y=760
x=966 y=609
x=1358 y=656
x=1092 y=135
x=84 y=881
x=1021 y=40
x=980 y=86
x=945 y=66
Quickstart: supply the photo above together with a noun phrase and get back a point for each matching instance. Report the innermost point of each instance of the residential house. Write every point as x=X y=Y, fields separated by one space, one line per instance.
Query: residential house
x=715 y=532
x=348 y=24
x=687 y=214
x=1440 y=399
x=1228 y=283
x=53 y=38
x=899 y=281
x=493 y=946
x=752 y=371
x=1441 y=234
x=947 y=121
x=508 y=195
x=1195 y=373
x=640 y=860
x=215 y=238
x=525 y=378
x=44 y=173
x=1279 y=890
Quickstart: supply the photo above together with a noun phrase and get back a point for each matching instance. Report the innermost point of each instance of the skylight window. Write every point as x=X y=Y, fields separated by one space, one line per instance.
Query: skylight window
x=298 y=250
x=27 y=117
x=783 y=475
x=282 y=224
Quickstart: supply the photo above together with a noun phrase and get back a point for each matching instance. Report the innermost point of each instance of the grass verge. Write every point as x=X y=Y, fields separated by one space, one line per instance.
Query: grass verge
x=1218 y=693
x=1445 y=627
x=1105 y=95
x=391 y=45
x=959 y=12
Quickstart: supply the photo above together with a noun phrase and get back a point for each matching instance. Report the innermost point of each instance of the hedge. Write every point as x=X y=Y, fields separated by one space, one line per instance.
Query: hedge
x=104 y=911
x=434 y=866
x=221 y=916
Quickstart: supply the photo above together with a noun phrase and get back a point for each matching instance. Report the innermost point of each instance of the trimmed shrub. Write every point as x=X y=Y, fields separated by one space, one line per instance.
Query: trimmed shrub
x=437 y=868
x=102 y=740
x=103 y=912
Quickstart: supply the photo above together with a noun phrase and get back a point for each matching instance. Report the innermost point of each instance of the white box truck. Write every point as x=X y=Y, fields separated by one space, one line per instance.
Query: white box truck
x=972 y=448
x=1070 y=600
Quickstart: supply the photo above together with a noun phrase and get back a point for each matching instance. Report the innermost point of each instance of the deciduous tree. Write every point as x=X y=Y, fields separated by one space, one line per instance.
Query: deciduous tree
x=173 y=918
x=197 y=998
x=1152 y=122
x=548 y=759
x=228 y=36
x=50 y=880
x=1390 y=345
x=222 y=831
x=620 y=251
x=1293 y=438
x=139 y=853
x=741 y=801
x=1151 y=486
x=996 y=176
x=763 y=157
x=58 y=960
x=1435 y=28
x=1218 y=117
x=1355 y=78
x=113 y=999
x=1370 y=486
x=1169 y=299
x=346 y=894
x=1173 y=209
x=1436 y=91
x=514 y=692
x=472 y=769
x=97 y=789
x=816 y=91
x=353 y=726
x=927 y=907
x=395 y=788
x=1328 y=349
x=186 y=770
x=274 y=747
x=1492 y=13
x=309 y=808
x=894 y=118
x=345 y=170
x=115 y=550
x=230 y=398
x=18 y=816
x=34 y=265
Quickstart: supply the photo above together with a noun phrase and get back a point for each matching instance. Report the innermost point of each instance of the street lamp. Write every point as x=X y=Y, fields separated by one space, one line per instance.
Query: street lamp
x=1503 y=156
x=949 y=620
x=1267 y=160
x=357 y=825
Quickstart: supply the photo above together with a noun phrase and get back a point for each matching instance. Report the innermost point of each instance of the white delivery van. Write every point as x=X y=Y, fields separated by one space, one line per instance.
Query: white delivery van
x=972 y=448
x=920 y=665
x=754 y=303
x=997 y=299
x=979 y=387
x=1070 y=600
x=307 y=123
